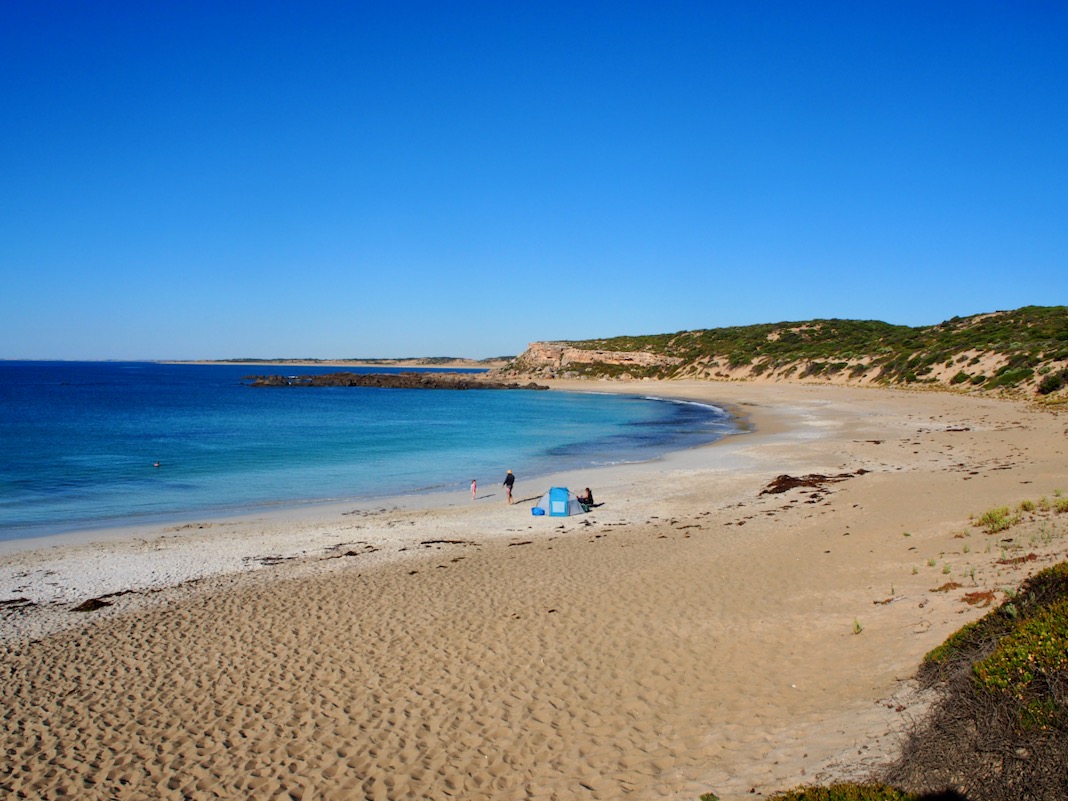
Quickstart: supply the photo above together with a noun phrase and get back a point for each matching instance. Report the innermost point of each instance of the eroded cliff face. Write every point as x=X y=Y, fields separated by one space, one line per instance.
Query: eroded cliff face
x=549 y=360
x=957 y=371
x=557 y=358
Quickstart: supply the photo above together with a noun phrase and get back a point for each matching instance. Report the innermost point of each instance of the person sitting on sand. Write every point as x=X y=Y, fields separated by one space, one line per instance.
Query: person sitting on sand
x=587 y=498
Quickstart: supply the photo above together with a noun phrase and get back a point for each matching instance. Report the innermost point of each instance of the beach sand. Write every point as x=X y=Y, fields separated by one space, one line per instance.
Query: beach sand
x=692 y=634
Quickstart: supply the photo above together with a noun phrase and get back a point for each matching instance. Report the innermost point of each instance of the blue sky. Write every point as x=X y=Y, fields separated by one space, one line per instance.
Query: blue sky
x=357 y=179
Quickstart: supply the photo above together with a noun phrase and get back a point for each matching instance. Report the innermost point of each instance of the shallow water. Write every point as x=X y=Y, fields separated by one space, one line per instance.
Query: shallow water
x=80 y=440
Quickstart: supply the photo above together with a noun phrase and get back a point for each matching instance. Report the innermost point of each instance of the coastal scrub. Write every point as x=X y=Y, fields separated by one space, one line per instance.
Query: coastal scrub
x=999 y=728
x=845 y=792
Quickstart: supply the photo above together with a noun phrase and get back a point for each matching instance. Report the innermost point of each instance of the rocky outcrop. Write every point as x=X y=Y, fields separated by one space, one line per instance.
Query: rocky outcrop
x=557 y=358
x=387 y=381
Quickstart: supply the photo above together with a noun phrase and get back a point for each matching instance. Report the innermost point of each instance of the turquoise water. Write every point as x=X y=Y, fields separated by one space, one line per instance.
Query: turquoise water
x=78 y=441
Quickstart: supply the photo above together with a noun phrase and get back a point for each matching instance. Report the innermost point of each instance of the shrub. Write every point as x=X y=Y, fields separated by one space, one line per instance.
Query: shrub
x=957 y=644
x=1026 y=663
x=739 y=360
x=995 y=520
x=845 y=792
x=999 y=727
x=1052 y=382
x=1010 y=377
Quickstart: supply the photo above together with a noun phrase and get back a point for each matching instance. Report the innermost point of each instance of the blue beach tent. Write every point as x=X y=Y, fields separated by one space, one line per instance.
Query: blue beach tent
x=558 y=502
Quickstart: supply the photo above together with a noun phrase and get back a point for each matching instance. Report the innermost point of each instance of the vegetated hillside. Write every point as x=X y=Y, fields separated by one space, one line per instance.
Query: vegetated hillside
x=999 y=729
x=1023 y=350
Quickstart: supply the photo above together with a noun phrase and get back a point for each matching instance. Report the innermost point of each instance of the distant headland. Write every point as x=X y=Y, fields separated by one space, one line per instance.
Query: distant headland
x=438 y=362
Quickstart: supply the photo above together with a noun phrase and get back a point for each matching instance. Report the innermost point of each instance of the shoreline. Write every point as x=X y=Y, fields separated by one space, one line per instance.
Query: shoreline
x=298 y=493
x=700 y=630
x=76 y=553
x=302 y=508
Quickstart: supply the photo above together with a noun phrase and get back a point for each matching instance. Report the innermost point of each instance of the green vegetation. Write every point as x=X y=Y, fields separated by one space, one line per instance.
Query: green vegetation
x=1004 y=691
x=1030 y=346
x=956 y=644
x=1052 y=382
x=1025 y=662
x=995 y=520
x=845 y=792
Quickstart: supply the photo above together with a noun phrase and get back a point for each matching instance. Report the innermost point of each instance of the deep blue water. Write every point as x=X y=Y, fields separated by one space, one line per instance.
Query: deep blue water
x=78 y=441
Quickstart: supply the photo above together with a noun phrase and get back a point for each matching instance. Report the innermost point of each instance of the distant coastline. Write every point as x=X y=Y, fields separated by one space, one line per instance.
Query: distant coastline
x=444 y=363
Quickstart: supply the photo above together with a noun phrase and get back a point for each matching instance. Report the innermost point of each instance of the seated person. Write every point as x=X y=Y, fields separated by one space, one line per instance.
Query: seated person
x=587 y=499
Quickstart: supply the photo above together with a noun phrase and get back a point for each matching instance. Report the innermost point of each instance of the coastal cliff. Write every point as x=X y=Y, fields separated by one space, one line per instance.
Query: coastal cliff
x=567 y=360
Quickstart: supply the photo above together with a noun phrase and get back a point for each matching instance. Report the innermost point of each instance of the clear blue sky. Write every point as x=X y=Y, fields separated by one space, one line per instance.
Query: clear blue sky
x=336 y=179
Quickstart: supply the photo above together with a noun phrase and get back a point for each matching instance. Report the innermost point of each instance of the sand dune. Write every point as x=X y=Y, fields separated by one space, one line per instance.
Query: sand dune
x=694 y=633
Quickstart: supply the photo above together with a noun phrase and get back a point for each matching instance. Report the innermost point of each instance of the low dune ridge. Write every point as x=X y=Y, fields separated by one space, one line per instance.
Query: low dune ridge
x=736 y=619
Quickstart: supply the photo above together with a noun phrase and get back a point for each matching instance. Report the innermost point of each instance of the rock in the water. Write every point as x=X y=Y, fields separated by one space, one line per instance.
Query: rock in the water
x=387 y=381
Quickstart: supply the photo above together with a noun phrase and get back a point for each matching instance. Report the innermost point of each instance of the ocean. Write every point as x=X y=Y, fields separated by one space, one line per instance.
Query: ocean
x=79 y=441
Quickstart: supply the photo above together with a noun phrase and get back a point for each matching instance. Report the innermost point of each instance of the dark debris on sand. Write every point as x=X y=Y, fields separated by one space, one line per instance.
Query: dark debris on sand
x=784 y=483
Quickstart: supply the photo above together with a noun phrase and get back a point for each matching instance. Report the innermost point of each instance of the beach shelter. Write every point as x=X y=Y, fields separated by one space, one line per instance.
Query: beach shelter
x=558 y=502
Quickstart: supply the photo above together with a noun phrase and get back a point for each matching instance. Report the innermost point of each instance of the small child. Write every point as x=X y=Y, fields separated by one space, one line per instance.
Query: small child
x=474 y=488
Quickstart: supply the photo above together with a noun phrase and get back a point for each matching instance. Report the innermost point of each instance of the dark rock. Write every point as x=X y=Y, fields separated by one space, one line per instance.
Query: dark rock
x=386 y=381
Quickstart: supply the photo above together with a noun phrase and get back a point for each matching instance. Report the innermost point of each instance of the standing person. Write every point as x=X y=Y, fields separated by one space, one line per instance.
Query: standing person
x=509 y=480
x=474 y=487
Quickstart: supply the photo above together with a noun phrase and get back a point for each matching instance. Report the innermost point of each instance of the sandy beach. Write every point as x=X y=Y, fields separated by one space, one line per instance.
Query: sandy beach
x=693 y=633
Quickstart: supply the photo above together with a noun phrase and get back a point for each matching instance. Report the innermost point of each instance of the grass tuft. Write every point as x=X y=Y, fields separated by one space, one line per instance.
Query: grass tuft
x=995 y=520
